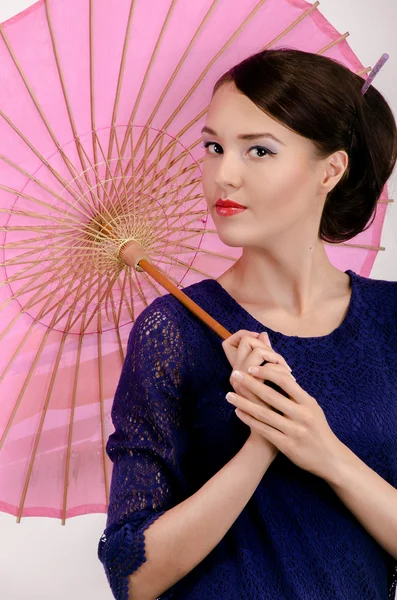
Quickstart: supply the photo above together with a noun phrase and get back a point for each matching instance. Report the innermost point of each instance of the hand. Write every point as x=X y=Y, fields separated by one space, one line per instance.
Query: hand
x=245 y=349
x=301 y=432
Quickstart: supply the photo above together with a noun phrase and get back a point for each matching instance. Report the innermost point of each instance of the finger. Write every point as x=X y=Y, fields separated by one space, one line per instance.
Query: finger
x=234 y=339
x=258 y=411
x=247 y=392
x=264 y=336
x=276 y=374
x=279 y=402
x=261 y=414
x=231 y=344
x=247 y=345
x=259 y=354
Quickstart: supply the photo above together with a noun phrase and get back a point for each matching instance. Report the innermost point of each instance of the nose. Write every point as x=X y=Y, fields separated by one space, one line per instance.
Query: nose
x=228 y=172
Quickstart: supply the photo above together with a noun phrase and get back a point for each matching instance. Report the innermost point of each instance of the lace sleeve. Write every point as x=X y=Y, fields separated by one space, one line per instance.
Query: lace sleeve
x=149 y=443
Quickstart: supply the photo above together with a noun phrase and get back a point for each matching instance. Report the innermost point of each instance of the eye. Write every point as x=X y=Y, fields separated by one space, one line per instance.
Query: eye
x=209 y=145
x=261 y=151
x=215 y=148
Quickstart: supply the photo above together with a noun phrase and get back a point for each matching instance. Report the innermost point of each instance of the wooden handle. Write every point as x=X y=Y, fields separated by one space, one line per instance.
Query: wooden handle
x=192 y=306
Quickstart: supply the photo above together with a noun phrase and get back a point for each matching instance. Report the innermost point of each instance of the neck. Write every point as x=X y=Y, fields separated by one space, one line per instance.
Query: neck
x=291 y=280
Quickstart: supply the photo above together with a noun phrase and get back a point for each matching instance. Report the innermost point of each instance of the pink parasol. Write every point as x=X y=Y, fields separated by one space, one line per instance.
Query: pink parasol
x=101 y=107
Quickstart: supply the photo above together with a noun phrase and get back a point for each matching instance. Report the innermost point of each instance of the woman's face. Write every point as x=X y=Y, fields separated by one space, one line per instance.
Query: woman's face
x=278 y=180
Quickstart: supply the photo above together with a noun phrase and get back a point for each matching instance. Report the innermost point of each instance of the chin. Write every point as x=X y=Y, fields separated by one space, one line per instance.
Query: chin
x=233 y=240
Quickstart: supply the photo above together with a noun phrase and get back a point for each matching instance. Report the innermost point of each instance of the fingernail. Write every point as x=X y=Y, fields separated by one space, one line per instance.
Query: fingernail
x=253 y=370
x=230 y=397
x=237 y=375
x=293 y=377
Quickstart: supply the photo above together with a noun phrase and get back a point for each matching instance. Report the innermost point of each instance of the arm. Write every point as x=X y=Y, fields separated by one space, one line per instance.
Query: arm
x=182 y=537
x=156 y=530
x=371 y=499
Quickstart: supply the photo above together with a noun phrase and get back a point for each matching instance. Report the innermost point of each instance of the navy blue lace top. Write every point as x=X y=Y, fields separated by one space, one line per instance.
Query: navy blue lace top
x=295 y=539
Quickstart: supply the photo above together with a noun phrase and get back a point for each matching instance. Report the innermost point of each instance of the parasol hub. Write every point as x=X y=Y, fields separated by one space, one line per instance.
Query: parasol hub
x=131 y=252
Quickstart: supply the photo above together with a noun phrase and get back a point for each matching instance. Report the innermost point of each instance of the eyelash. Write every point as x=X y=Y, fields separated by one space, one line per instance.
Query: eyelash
x=207 y=144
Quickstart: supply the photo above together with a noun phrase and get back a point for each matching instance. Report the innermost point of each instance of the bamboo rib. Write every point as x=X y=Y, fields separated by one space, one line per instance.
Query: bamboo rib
x=181 y=186
x=201 y=77
x=186 y=301
x=125 y=198
x=174 y=215
x=120 y=77
x=209 y=252
x=172 y=195
x=172 y=163
x=20 y=276
x=45 y=187
x=67 y=185
x=123 y=301
x=29 y=88
x=102 y=407
x=92 y=85
x=99 y=303
x=198 y=81
x=187 y=265
x=136 y=284
x=161 y=184
x=174 y=74
x=56 y=174
x=151 y=183
x=334 y=43
x=22 y=343
x=151 y=62
x=73 y=290
x=145 y=157
x=292 y=26
x=272 y=42
x=66 y=98
x=102 y=205
x=45 y=407
x=149 y=282
x=26 y=289
x=70 y=432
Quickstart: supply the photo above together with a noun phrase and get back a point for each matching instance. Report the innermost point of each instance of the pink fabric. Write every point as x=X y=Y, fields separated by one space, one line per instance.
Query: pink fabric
x=26 y=390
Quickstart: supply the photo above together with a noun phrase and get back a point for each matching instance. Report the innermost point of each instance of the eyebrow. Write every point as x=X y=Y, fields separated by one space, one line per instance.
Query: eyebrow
x=245 y=136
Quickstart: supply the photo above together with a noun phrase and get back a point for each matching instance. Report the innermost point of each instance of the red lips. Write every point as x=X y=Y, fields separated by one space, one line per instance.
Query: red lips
x=228 y=204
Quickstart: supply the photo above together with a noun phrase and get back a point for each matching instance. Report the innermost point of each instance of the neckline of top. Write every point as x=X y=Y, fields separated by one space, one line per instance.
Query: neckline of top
x=258 y=326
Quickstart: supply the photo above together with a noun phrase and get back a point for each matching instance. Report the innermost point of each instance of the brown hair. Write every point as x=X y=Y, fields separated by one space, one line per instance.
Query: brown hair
x=320 y=99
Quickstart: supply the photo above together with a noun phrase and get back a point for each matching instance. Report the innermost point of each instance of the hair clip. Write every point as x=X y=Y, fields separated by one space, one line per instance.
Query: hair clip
x=374 y=72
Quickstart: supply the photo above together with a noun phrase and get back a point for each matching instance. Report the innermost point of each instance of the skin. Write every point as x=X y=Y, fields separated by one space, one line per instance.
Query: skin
x=284 y=273
x=284 y=266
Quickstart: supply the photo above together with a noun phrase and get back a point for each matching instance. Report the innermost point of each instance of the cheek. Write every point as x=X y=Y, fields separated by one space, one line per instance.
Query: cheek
x=208 y=179
x=284 y=186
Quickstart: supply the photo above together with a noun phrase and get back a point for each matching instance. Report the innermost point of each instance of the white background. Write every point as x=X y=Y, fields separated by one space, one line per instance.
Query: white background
x=40 y=559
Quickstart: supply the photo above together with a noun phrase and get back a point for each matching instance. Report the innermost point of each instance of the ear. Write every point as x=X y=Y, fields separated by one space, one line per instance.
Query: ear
x=334 y=167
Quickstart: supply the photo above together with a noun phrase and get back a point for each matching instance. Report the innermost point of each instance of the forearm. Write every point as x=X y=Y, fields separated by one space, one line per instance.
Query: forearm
x=371 y=499
x=181 y=538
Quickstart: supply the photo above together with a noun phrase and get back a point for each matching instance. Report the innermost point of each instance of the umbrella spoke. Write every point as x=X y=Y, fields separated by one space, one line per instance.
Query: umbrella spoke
x=101 y=404
x=45 y=187
x=174 y=74
x=44 y=410
x=67 y=102
x=200 y=78
x=185 y=264
x=148 y=70
x=69 y=165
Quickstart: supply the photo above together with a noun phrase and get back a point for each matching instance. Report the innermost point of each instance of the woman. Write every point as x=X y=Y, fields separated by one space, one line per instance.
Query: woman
x=294 y=496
